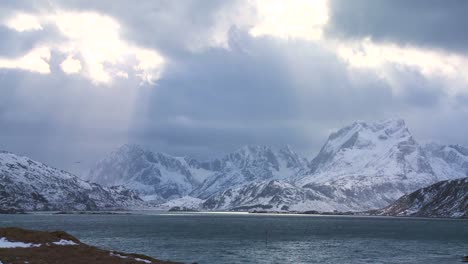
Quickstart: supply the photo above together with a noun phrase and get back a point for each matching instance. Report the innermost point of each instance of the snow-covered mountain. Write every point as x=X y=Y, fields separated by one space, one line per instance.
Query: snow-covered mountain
x=251 y=164
x=448 y=162
x=155 y=175
x=271 y=195
x=443 y=199
x=364 y=166
x=370 y=164
x=161 y=176
x=26 y=184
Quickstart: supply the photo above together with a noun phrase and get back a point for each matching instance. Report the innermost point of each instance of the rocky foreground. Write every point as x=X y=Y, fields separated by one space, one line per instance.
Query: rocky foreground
x=38 y=247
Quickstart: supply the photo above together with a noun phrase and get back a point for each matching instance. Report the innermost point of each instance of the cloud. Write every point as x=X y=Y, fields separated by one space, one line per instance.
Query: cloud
x=430 y=63
x=23 y=22
x=149 y=64
x=290 y=19
x=95 y=38
x=71 y=65
x=430 y=24
x=307 y=20
x=36 y=60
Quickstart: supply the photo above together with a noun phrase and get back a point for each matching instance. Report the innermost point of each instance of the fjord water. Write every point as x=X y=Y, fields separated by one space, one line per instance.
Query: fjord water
x=252 y=238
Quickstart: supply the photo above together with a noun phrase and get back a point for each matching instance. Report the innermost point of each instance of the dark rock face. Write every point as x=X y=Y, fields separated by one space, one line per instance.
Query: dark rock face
x=443 y=199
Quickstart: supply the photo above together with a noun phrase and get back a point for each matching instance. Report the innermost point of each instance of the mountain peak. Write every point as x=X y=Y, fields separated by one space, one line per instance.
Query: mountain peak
x=373 y=139
x=363 y=132
x=391 y=123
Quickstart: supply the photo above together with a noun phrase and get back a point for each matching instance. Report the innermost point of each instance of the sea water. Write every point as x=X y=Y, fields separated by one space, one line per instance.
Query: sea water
x=263 y=238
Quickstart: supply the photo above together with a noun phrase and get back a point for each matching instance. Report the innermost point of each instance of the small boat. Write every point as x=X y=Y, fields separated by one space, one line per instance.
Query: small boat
x=465 y=259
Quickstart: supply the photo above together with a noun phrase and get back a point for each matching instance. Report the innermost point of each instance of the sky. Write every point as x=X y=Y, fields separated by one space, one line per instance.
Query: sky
x=203 y=78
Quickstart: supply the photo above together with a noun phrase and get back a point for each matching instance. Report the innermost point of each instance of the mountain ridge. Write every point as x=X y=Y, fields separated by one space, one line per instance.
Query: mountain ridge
x=363 y=166
x=30 y=185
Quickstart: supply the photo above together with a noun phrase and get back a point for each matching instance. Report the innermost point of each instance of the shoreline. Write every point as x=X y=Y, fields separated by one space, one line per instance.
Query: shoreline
x=160 y=212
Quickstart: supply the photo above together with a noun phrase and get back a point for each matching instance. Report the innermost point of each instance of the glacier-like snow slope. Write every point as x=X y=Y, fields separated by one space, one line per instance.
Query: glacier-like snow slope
x=26 y=184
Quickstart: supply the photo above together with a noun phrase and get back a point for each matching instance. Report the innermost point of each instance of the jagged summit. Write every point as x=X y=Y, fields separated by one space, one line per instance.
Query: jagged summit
x=158 y=175
x=373 y=163
x=359 y=134
x=358 y=145
x=250 y=154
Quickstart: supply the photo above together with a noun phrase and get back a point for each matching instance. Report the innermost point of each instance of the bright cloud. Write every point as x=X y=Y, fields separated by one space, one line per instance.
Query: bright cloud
x=149 y=63
x=23 y=22
x=71 y=65
x=96 y=39
x=37 y=60
x=366 y=54
x=306 y=19
x=303 y=19
x=292 y=19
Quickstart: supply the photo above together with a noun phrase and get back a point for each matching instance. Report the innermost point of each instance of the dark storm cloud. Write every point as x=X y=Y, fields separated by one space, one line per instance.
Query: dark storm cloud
x=428 y=23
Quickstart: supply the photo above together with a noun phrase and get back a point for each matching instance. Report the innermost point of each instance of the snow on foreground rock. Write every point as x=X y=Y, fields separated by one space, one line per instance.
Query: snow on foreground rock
x=29 y=185
x=4 y=243
x=38 y=247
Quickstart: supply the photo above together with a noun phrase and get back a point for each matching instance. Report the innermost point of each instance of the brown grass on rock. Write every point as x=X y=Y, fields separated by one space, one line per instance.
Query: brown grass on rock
x=49 y=253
